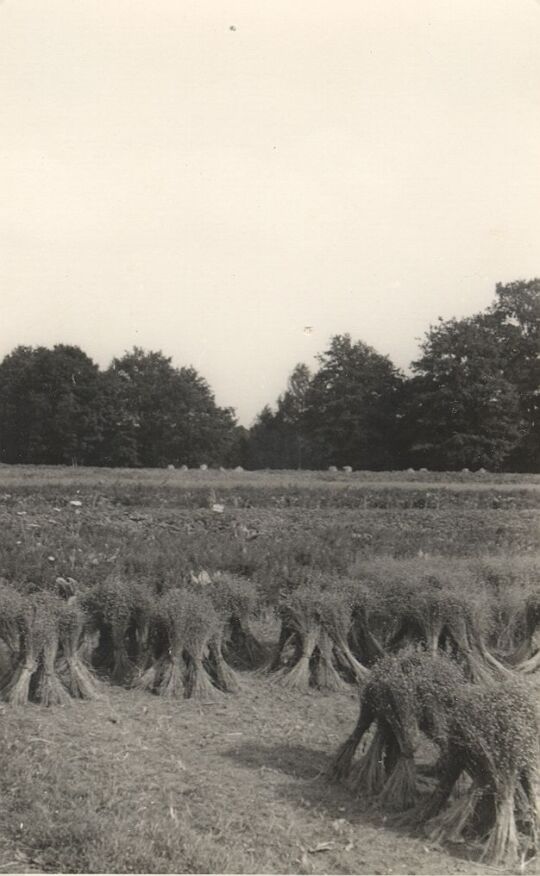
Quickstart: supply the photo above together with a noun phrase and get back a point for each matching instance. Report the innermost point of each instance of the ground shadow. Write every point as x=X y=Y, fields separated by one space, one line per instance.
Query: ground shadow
x=313 y=791
x=293 y=760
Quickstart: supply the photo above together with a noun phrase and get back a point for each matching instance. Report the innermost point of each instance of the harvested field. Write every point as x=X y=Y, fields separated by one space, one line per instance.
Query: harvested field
x=141 y=784
x=209 y=638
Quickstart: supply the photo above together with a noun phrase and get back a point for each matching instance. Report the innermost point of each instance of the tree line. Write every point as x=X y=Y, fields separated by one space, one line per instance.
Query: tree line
x=58 y=407
x=472 y=400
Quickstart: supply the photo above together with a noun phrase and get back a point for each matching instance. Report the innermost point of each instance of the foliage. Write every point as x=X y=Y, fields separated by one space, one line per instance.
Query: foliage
x=56 y=407
x=351 y=407
x=49 y=406
x=473 y=400
x=516 y=321
x=461 y=410
x=173 y=411
x=279 y=439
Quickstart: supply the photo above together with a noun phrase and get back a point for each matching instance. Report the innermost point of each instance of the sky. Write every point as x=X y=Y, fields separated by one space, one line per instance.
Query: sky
x=210 y=178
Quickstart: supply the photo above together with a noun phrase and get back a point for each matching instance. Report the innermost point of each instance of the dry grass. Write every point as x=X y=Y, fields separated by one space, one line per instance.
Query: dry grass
x=199 y=489
x=138 y=784
x=38 y=475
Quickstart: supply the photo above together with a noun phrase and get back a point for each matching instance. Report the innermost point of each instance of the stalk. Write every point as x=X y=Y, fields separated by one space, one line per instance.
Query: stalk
x=452 y=823
x=72 y=671
x=198 y=684
x=298 y=677
x=502 y=845
x=400 y=791
x=17 y=689
x=225 y=677
x=346 y=659
x=49 y=689
x=150 y=678
x=368 y=776
x=325 y=675
x=171 y=683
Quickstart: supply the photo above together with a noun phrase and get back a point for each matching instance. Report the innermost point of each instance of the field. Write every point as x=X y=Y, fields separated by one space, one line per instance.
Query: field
x=135 y=782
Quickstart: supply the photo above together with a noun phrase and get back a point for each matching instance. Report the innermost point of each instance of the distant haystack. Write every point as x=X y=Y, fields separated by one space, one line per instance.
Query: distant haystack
x=481 y=471
x=171 y=467
x=203 y=467
x=410 y=471
x=347 y=469
x=184 y=468
x=424 y=470
x=332 y=468
x=466 y=470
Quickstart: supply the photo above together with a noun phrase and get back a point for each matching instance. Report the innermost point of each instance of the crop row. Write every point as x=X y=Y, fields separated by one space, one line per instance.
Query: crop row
x=331 y=625
x=425 y=651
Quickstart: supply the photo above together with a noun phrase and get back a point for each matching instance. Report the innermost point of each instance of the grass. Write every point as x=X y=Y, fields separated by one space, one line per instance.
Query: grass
x=38 y=542
x=37 y=475
x=145 y=785
x=277 y=489
x=138 y=783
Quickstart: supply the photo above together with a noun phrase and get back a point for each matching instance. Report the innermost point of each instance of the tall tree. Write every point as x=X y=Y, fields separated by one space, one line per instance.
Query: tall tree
x=266 y=441
x=290 y=417
x=462 y=410
x=118 y=424
x=49 y=406
x=515 y=318
x=238 y=452
x=173 y=411
x=278 y=439
x=351 y=407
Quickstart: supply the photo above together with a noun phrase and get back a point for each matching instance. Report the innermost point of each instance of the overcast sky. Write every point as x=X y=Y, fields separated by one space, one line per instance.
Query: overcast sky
x=209 y=177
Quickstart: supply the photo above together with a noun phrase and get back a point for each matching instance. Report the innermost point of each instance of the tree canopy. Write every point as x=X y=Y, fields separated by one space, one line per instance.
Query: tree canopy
x=352 y=407
x=49 y=406
x=472 y=400
x=462 y=409
x=57 y=407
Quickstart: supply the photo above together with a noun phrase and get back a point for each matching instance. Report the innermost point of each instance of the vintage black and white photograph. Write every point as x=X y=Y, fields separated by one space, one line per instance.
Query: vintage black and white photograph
x=270 y=437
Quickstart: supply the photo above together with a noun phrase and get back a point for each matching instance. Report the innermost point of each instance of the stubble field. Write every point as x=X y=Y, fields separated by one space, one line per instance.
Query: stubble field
x=135 y=782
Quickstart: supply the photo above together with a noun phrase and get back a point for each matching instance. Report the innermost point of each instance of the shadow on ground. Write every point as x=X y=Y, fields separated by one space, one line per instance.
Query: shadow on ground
x=292 y=759
x=314 y=792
